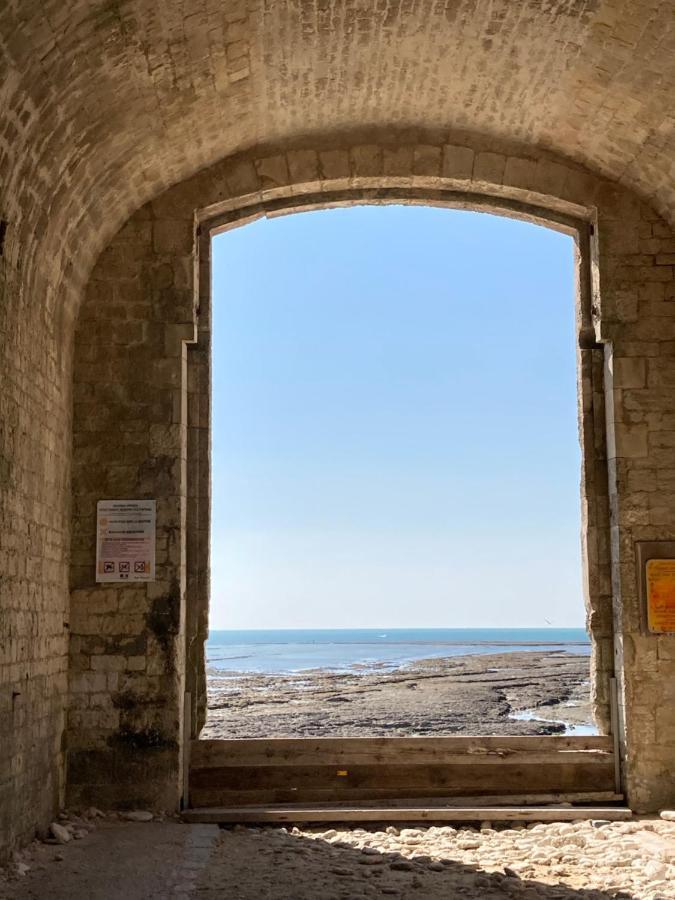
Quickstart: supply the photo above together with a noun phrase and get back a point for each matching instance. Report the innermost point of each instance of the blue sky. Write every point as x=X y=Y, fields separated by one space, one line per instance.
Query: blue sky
x=394 y=422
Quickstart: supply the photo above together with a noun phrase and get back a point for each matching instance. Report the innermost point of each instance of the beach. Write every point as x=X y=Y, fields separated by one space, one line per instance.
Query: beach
x=516 y=693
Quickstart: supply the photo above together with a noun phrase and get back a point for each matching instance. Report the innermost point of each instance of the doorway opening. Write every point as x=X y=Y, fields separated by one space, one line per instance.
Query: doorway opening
x=395 y=478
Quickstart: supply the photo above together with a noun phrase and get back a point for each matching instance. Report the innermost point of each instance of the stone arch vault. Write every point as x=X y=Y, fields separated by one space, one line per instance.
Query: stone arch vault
x=119 y=112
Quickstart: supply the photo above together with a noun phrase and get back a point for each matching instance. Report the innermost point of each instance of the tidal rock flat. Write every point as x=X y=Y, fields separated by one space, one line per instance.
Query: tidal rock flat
x=528 y=692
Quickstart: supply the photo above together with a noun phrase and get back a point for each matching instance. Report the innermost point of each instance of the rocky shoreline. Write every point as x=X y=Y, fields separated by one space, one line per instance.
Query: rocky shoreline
x=520 y=693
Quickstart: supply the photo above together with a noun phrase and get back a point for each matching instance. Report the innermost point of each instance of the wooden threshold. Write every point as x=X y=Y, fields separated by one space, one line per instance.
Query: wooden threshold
x=296 y=814
x=597 y=798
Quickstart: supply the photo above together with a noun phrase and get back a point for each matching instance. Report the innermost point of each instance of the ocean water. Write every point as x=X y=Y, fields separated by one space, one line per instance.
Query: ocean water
x=353 y=649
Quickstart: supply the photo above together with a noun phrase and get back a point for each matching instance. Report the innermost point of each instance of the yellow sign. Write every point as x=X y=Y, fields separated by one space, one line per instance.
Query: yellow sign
x=661 y=595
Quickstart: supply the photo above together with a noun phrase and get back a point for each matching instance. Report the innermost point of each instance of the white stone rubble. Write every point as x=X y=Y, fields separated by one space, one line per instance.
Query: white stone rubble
x=60 y=833
x=138 y=815
x=636 y=857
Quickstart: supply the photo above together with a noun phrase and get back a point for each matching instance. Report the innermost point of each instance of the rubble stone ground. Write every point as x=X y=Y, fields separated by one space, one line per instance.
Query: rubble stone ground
x=110 y=857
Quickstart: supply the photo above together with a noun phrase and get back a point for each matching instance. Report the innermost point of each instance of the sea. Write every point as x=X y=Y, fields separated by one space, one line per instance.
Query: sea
x=288 y=651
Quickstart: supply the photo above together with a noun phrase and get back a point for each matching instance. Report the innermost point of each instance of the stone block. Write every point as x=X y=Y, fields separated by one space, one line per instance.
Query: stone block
x=520 y=173
x=655 y=273
x=550 y=177
x=661 y=372
x=366 y=163
x=642 y=480
x=335 y=167
x=242 y=178
x=666 y=648
x=303 y=167
x=629 y=372
x=398 y=162
x=458 y=162
x=273 y=174
x=631 y=440
x=489 y=168
x=172 y=236
x=136 y=663
x=427 y=160
x=108 y=663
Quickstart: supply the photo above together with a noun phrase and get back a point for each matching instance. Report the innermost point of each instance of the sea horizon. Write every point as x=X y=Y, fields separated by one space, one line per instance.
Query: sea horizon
x=416 y=628
x=292 y=650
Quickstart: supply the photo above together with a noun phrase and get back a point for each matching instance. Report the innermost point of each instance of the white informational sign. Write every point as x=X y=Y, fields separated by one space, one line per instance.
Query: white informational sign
x=125 y=540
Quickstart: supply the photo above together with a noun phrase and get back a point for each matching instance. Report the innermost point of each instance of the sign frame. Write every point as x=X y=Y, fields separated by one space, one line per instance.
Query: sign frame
x=126 y=541
x=645 y=552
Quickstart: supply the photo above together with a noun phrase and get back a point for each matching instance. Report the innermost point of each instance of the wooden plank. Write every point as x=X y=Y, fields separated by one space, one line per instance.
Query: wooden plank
x=261 y=814
x=481 y=779
x=442 y=800
x=539 y=741
x=394 y=799
x=334 y=751
x=320 y=798
x=362 y=756
x=555 y=799
x=219 y=797
x=261 y=772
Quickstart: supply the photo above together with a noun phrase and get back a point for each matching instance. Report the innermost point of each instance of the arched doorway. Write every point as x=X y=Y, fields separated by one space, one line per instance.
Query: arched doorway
x=227 y=774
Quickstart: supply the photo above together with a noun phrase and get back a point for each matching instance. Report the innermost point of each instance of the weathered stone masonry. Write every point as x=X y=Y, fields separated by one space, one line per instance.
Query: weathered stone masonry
x=141 y=416
x=35 y=422
x=104 y=106
x=127 y=642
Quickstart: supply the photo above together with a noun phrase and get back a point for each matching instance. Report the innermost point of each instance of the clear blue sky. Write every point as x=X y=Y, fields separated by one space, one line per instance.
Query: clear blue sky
x=394 y=422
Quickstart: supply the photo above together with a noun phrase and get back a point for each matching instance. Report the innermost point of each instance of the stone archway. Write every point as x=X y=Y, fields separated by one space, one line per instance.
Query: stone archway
x=141 y=427
x=107 y=106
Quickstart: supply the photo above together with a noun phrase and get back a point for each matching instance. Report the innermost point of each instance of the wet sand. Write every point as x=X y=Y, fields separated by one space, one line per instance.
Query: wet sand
x=479 y=694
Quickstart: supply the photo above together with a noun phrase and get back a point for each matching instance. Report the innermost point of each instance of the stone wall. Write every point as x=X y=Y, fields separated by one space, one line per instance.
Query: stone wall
x=142 y=403
x=35 y=420
x=636 y=256
x=127 y=645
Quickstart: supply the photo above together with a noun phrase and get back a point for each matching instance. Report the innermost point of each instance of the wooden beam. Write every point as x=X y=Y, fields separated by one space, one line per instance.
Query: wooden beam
x=258 y=786
x=552 y=799
x=223 y=758
x=278 y=814
x=364 y=751
x=358 y=771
